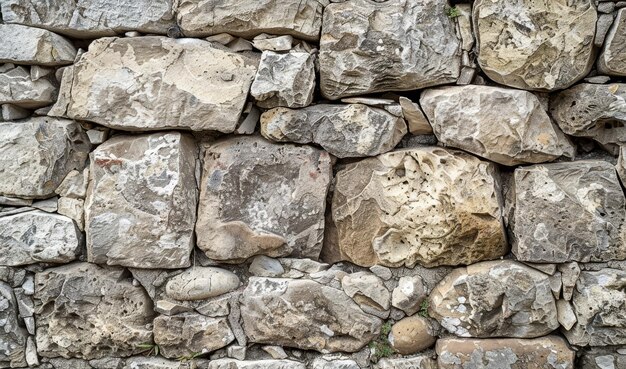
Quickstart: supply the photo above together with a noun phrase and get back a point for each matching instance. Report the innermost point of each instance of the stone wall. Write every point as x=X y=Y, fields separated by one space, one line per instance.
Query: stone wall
x=312 y=184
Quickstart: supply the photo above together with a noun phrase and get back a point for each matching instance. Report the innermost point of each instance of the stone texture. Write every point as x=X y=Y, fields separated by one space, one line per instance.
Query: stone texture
x=417 y=362
x=91 y=18
x=262 y=198
x=144 y=363
x=367 y=289
x=409 y=294
x=29 y=45
x=131 y=84
x=568 y=212
x=36 y=155
x=304 y=314
x=411 y=335
x=427 y=205
x=545 y=45
x=284 y=80
x=38 y=237
x=548 y=352
x=416 y=121
x=17 y=88
x=255 y=364
x=398 y=45
x=503 y=125
x=620 y=167
x=12 y=335
x=612 y=60
x=141 y=201
x=500 y=298
x=199 y=283
x=345 y=131
x=603 y=358
x=89 y=312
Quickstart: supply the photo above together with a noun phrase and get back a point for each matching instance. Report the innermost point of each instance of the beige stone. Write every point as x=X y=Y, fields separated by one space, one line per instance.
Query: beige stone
x=411 y=335
x=19 y=89
x=199 y=283
x=612 y=60
x=416 y=121
x=30 y=45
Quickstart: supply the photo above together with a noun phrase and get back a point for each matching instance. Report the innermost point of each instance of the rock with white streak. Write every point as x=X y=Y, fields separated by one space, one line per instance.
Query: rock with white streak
x=503 y=125
x=396 y=45
x=141 y=202
x=535 y=45
x=155 y=83
x=255 y=364
x=17 y=88
x=612 y=60
x=30 y=45
x=12 y=335
x=346 y=131
x=199 y=283
x=409 y=294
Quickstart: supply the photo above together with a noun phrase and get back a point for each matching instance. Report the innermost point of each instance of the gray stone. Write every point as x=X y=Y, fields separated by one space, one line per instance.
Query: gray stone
x=417 y=362
x=141 y=201
x=50 y=205
x=603 y=358
x=409 y=294
x=565 y=314
x=255 y=364
x=398 y=45
x=569 y=275
x=263 y=266
x=31 y=353
x=266 y=42
x=30 y=45
x=345 y=131
x=12 y=335
x=612 y=60
x=17 y=88
x=504 y=125
x=276 y=352
x=602 y=28
x=9 y=112
x=74 y=184
x=366 y=289
x=328 y=363
x=416 y=121
x=236 y=352
x=150 y=363
x=73 y=209
x=199 y=283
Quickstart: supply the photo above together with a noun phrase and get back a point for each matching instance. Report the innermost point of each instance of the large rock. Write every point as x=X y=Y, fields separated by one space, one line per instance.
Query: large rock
x=38 y=237
x=306 y=315
x=600 y=308
x=29 y=45
x=504 y=125
x=568 y=212
x=612 y=61
x=255 y=364
x=548 y=352
x=396 y=45
x=500 y=298
x=36 y=154
x=91 y=18
x=89 y=312
x=262 y=198
x=154 y=83
x=535 y=45
x=12 y=335
x=199 y=283
x=592 y=110
x=346 y=131
x=141 y=202
x=427 y=205
x=299 y=18
x=18 y=88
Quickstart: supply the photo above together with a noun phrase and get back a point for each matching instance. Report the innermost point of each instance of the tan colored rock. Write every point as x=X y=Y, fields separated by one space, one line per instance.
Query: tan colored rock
x=427 y=205
x=17 y=88
x=612 y=60
x=260 y=198
x=503 y=125
x=411 y=335
x=367 y=289
x=155 y=83
x=73 y=209
x=416 y=121
x=409 y=294
x=255 y=364
x=396 y=45
x=30 y=45
x=301 y=19
x=141 y=201
x=199 y=283
x=502 y=298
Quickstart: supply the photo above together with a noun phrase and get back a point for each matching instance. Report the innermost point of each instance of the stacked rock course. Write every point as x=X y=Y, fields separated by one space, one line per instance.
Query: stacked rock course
x=312 y=184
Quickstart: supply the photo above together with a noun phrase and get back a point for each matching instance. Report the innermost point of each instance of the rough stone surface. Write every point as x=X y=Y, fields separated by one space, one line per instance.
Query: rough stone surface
x=428 y=205
x=301 y=19
x=255 y=364
x=603 y=358
x=535 y=45
x=29 y=45
x=367 y=289
x=131 y=84
x=507 y=126
x=141 y=201
x=252 y=197
x=85 y=311
x=416 y=121
x=397 y=45
x=501 y=298
x=409 y=294
x=411 y=335
x=12 y=335
x=612 y=60
x=91 y=18
x=199 y=283
x=38 y=237
x=568 y=212
x=36 y=155
x=304 y=314
x=417 y=362
x=18 y=88
x=345 y=131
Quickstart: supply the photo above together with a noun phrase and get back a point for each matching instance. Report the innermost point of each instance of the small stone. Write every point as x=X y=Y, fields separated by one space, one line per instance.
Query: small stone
x=556 y=284
x=328 y=363
x=18 y=89
x=367 y=289
x=50 y=205
x=217 y=307
x=238 y=45
x=603 y=358
x=416 y=120
x=565 y=314
x=148 y=363
x=97 y=136
x=569 y=275
x=416 y=362
x=236 y=352
x=37 y=72
x=370 y=101
x=466 y=76
x=602 y=28
x=409 y=294
x=411 y=335
x=263 y=266
x=264 y=42
x=276 y=352
x=170 y=308
x=12 y=336
x=30 y=45
x=546 y=268
x=221 y=38
x=199 y=283
x=612 y=60
x=621 y=164
x=74 y=184
x=12 y=112
x=31 y=353
x=255 y=364
x=598 y=79
x=382 y=272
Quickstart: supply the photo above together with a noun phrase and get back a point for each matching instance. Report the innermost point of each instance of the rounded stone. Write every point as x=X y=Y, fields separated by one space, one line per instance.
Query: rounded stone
x=200 y=283
x=411 y=335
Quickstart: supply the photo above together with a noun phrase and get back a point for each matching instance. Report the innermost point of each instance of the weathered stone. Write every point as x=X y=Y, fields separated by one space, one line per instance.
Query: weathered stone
x=89 y=312
x=534 y=45
x=427 y=205
x=565 y=313
x=603 y=358
x=36 y=155
x=599 y=303
x=17 y=88
x=417 y=362
x=621 y=164
x=141 y=201
x=12 y=335
x=409 y=294
x=612 y=60
x=276 y=352
x=284 y=80
x=507 y=126
x=568 y=212
x=73 y=209
x=304 y=314
x=266 y=42
x=255 y=364
x=9 y=112
x=189 y=333
x=263 y=266
x=416 y=121
x=301 y=19
x=501 y=298
x=602 y=28
x=569 y=275
x=411 y=335
x=150 y=363
x=130 y=84
x=74 y=184
x=397 y=45
x=38 y=237
x=29 y=45
x=262 y=198
x=345 y=131
x=199 y=283
x=540 y=353
x=367 y=289
x=328 y=363
x=236 y=352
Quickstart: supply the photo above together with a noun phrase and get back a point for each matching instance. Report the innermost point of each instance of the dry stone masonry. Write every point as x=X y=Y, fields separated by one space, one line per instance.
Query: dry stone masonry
x=313 y=184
